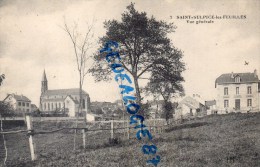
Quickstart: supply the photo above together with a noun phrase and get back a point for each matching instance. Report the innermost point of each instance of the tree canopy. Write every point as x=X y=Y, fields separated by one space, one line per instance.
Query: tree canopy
x=6 y=110
x=144 y=47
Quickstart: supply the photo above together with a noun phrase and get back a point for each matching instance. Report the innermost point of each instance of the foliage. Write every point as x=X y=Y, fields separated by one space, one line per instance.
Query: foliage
x=6 y=109
x=144 y=48
x=2 y=77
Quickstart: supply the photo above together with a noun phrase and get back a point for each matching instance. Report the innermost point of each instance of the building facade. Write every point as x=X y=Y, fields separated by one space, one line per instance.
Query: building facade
x=237 y=92
x=20 y=103
x=62 y=100
x=190 y=107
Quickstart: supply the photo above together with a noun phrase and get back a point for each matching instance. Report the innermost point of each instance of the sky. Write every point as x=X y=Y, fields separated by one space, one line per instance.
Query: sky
x=32 y=39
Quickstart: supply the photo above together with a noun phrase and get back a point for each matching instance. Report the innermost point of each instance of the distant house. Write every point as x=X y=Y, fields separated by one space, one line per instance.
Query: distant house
x=190 y=107
x=20 y=103
x=106 y=107
x=238 y=92
x=211 y=107
x=93 y=117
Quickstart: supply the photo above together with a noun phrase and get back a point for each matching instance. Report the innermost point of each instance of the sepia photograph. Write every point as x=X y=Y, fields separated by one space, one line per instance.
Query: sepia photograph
x=128 y=83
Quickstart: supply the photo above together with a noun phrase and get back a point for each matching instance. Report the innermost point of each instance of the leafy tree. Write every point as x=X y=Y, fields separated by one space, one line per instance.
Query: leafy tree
x=6 y=109
x=2 y=77
x=166 y=82
x=144 y=47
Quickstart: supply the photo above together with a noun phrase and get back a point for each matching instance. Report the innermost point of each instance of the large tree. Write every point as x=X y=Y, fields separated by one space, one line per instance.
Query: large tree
x=144 y=46
x=166 y=81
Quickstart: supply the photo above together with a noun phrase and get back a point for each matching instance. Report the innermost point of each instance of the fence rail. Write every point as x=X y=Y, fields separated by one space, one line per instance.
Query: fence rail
x=32 y=132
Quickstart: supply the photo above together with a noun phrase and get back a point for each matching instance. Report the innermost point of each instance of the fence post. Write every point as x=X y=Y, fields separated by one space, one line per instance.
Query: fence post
x=30 y=129
x=112 y=129
x=84 y=138
x=128 y=131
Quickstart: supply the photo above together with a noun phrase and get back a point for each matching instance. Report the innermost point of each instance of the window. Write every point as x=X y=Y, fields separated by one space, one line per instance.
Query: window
x=237 y=90
x=83 y=103
x=225 y=103
x=27 y=104
x=23 y=104
x=44 y=106
x=49 y=106
x=59 y=105
x=19 y=103
x=249 y=102
x=226 y=91
x=237 y=79
x=52 y=106
x=27 y=110
x=249 y=90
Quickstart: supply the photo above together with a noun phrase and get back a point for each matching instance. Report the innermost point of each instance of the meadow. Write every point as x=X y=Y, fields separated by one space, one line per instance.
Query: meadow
x=215 y=140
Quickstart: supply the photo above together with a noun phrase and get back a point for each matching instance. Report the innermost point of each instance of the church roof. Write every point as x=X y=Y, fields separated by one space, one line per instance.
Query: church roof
x=73 y=91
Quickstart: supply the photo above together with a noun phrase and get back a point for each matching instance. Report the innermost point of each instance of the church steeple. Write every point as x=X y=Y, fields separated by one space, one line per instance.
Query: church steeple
x=44 y=83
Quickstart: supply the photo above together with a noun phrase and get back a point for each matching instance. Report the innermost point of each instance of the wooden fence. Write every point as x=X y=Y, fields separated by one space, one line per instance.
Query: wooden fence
x=151 y=124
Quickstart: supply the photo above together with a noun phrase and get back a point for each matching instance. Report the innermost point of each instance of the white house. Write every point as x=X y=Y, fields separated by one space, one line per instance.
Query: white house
x=238 y=92
x=92 y=117
x=190 y=107
x=211 y=107
x=20 y=103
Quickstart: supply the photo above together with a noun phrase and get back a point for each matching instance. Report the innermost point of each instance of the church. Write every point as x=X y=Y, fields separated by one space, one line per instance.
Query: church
x=62 y=100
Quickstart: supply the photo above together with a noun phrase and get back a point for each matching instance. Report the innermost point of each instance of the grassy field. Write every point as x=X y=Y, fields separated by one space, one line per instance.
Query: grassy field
x=217 y=140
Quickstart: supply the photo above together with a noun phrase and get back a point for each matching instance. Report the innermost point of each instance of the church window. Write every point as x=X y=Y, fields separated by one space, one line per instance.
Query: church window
x=83 y=103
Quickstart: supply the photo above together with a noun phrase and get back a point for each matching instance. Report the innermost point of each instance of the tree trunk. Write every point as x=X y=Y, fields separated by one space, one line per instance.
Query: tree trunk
x=137 y=89
x=138 y=95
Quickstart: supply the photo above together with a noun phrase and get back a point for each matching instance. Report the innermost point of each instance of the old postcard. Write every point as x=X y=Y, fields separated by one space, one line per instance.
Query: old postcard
x=100 y=83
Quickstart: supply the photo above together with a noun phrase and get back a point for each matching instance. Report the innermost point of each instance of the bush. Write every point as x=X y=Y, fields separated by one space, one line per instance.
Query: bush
x=114 y=141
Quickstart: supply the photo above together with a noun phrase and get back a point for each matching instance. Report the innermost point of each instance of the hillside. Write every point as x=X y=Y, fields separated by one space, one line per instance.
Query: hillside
x=217 y=140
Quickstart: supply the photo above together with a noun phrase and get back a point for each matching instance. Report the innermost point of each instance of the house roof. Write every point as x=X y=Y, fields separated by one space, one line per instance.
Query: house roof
x=73 y=91
x=19 y=97
x=210 y=102
x=244 y=78
x=74 y=100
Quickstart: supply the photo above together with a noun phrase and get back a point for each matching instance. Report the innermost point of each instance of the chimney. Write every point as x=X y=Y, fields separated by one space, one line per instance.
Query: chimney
x=232 y=74
x=255 y=73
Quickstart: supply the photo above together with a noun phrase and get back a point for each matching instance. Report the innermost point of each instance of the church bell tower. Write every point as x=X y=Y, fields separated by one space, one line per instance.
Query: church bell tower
x=44 y=83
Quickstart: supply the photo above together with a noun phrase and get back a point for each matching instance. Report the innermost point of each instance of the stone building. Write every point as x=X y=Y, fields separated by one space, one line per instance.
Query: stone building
x=62 y=100
x=237 y=92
